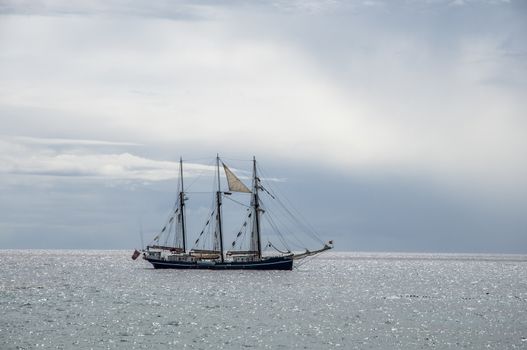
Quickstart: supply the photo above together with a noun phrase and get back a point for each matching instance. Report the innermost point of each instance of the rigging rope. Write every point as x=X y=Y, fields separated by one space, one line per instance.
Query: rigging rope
x=271 y=219
x=304 y=223
x=275 y=228
x=200 y=174
x=237 y=202
x=269 y=244
x=242 y=232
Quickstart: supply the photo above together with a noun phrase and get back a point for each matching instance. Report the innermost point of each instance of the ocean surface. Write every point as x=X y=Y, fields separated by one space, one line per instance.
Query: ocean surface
x=74 y=299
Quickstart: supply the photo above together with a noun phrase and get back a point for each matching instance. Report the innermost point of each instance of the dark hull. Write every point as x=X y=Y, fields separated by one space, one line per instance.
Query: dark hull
x=278 y=263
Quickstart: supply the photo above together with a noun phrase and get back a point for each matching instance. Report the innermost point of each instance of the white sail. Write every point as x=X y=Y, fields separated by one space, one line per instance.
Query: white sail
x=235 y=184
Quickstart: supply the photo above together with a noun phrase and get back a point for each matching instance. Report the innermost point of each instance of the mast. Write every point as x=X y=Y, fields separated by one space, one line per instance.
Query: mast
x=218 y=206
x=256 y=206
x=182 y=204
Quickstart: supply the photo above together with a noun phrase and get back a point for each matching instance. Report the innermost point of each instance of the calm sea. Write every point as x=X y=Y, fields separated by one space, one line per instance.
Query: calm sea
x=58 y=299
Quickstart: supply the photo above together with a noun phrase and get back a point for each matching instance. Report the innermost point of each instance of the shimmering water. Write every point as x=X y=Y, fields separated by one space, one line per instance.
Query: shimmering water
x=104 y=300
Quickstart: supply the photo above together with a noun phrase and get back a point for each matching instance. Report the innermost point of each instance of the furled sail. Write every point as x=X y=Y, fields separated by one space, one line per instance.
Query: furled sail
x=235 y=184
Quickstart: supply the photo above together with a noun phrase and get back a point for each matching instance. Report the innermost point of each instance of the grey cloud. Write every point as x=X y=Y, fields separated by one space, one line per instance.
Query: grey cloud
x=207 y=9
x=390 y=96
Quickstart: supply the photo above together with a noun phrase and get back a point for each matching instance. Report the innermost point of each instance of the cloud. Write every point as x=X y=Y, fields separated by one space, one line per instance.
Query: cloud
x=135 y=8
x=422 y=96
x=359 y=88
x=38 y=156
x=96 y=160
x=56 y=141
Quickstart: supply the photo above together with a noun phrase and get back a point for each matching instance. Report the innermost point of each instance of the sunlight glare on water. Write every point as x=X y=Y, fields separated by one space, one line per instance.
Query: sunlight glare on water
x=58 y=299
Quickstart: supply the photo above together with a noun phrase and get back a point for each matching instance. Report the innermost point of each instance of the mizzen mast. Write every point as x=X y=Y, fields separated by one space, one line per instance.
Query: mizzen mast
x=256 y=208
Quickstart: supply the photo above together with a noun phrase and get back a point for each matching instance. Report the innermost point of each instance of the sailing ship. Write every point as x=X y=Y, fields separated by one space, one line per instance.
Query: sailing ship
x=177 y=255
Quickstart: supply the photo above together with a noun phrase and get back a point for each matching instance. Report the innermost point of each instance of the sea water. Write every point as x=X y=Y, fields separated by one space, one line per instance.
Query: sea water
x=56 y=299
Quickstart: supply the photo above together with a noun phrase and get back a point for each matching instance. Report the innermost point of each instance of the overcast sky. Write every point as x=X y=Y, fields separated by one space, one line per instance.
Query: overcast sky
x=394 y=125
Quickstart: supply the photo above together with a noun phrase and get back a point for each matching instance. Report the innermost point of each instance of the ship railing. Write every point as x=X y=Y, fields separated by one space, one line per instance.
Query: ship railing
x=205 y=254
x=163 y=247
x=242 y=253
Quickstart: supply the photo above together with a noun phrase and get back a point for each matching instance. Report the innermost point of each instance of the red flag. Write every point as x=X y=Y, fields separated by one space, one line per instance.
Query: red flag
x=135 y=254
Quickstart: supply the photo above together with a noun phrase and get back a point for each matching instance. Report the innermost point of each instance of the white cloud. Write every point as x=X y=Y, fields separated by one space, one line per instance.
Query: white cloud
x=54 y=159
x=360 y=99
x=34 y=156
x=56 y=141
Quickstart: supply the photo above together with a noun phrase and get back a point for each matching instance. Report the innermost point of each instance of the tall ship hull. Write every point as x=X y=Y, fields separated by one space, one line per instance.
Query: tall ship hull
x=274 y=263
x=170 y=247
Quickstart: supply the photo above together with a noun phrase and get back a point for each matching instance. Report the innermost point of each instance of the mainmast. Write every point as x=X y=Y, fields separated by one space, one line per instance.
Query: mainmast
x=218 y=207
x=182 y=204
x=256 y=207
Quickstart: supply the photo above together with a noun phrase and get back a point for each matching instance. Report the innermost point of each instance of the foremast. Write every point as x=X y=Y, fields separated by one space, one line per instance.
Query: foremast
x=256 y=238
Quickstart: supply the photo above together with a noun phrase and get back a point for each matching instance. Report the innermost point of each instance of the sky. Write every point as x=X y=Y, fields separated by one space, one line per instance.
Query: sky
x=392 y=125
